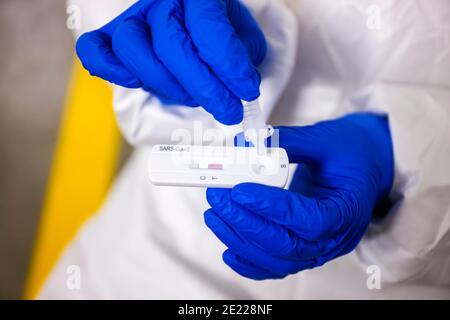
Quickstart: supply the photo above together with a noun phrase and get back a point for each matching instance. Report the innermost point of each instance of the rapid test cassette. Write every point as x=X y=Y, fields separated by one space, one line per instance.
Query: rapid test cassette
x=217 y=166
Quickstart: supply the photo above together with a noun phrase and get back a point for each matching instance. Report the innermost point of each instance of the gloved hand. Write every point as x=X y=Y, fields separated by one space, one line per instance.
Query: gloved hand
x=346 y=167
x=189 y=52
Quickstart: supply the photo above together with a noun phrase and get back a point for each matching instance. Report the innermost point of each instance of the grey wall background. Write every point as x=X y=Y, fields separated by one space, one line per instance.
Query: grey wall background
x=36 y=51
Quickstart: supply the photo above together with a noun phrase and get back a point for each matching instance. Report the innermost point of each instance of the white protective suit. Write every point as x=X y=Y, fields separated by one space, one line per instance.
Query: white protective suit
x=326 y=58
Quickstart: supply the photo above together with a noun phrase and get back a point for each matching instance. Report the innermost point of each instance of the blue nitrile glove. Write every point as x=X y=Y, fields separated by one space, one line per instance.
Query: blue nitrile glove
x=189 y=52
x=346 y=167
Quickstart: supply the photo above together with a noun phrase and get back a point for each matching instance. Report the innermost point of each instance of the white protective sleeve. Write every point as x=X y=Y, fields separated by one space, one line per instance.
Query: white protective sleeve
x=413 y=243
x=392 y=57
x=95 y=14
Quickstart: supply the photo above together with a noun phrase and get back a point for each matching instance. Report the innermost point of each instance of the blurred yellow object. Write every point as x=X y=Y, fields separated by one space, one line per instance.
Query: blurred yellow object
x=84 y=164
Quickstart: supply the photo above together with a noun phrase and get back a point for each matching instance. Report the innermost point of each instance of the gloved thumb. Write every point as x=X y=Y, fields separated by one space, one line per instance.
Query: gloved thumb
x=302 y=144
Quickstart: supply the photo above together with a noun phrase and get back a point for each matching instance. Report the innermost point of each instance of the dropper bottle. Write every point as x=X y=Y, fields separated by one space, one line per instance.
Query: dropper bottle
x=254 y=125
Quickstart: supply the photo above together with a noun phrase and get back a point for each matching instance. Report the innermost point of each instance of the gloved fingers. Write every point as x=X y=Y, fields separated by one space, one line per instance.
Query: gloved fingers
x=312 y=219
x=248 y=30
x=97 y=56
x=243 y=248
x=269 y=236
x=220 y=47
x=175 y=49
x=246 y=268
x=314 y=252
x=131 y=43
